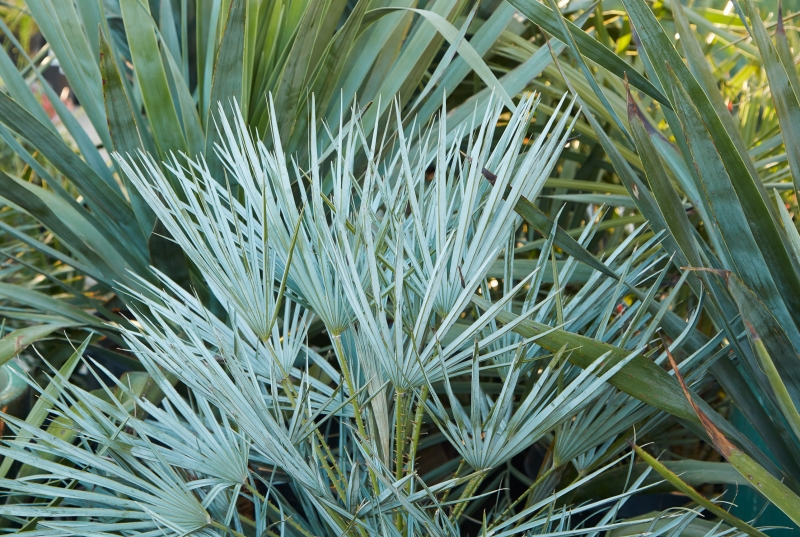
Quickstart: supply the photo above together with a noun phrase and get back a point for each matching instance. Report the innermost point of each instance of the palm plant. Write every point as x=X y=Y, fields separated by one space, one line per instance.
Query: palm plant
x=327 y=310
x=152 y=80
x=248 y=429
x=100 y=230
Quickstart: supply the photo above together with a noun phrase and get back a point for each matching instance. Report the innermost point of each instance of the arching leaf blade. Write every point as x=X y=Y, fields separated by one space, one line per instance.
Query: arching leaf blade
x=591 y=48
x=782 y=89
x=152 y=78
x=125 y=133
x=731 y=216
x=227 y=85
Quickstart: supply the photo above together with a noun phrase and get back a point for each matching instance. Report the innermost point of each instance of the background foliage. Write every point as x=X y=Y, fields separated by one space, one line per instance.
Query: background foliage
x=649 y=220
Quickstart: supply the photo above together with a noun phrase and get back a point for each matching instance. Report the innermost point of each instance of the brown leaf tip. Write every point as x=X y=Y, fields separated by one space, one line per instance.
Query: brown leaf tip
x=751 y=331
x=724 y=274
x=717 y=438
x=492 y=178
x=632 y=108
